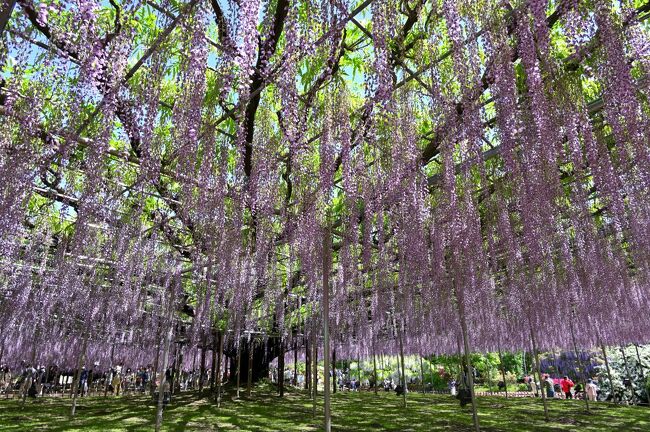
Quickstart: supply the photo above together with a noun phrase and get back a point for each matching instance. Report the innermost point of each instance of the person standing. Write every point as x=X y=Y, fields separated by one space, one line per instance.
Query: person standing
x=533 y=385
x=83 y=381
x=116 y=382
x=452 y=387
x=567 y=385
x=166 y=387
x=5 y=379
x=591 y=390
x=548 y=384
x=145 y=378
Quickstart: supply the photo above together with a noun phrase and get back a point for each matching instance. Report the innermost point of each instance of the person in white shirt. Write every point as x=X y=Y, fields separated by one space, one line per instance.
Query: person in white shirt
x=533 y=386
x=591 y=390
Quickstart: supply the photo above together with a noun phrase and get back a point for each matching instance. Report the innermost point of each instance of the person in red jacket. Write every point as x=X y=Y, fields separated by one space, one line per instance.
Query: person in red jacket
x=566 y=385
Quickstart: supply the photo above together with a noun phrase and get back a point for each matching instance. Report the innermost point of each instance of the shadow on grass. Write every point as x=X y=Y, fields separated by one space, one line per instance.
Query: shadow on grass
x=264 y=411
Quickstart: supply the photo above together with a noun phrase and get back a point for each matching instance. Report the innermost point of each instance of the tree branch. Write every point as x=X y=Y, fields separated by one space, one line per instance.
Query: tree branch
x=5 y=15
x=117 y=25
x=265 y=52
x=32 y=16
x=222 y=24
x=333 y=65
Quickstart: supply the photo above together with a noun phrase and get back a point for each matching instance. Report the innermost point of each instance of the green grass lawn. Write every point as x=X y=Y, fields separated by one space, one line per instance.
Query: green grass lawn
x=265 y=411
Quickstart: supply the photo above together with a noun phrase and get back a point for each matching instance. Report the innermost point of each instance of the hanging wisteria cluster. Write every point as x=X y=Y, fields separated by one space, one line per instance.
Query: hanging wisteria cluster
x=480 y=169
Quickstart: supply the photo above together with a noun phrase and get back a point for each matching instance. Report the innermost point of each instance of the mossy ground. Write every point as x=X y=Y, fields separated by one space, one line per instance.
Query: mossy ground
x=264 y=411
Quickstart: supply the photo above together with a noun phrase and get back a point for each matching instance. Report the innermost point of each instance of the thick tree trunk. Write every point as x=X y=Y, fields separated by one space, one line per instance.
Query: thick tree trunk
x=261 y=359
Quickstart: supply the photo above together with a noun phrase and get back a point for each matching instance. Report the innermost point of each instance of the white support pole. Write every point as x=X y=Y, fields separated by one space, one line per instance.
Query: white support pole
x=326 y=333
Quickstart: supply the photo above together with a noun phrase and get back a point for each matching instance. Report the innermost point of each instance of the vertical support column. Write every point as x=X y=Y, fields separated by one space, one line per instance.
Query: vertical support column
x=334 y=377
x=432 y=374
x=326 y=332
x=421 y=374
x=163 y=374
x=358 y=372
x=238 y=366
x=314 y=368
x=609 y=372
x=539 y=373
x=108 y=376
x=307 y=367
x=173 y=350
x=638 y=359
x=295 y=363
x=579 y=360
x=627 y=370
x=47 y=377
x=168 y=341
x=490 y=382
x=281 y=368
x=213 y=368
x=219 y=362
x=403 y=374
x=249 y=384
x=75 y=386
x=470 y=370
x=374 y=368
x=178 y=370
x=523 y=360
x=503 y=372
x=202 y=371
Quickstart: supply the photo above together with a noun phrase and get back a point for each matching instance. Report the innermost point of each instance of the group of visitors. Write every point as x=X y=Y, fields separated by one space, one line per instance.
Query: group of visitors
x=562 y=388
x=28 y=380
x=36 y=380
x=344 y=379
x=351 y=384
